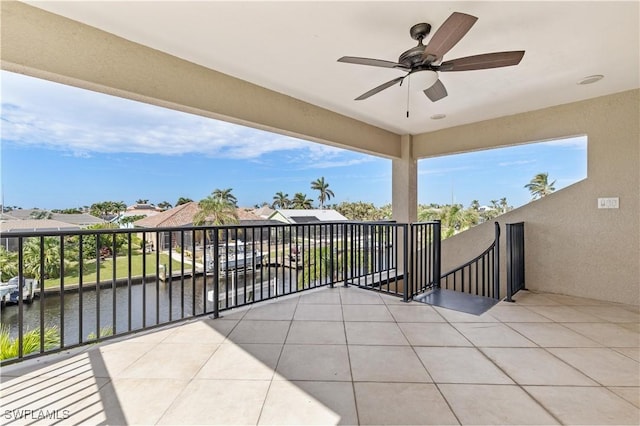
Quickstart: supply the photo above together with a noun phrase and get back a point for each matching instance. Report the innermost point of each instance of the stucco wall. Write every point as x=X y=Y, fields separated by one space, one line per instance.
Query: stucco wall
x=572 y=247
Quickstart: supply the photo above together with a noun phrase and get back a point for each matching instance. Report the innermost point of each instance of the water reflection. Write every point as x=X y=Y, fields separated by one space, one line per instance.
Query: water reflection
x=143 y=305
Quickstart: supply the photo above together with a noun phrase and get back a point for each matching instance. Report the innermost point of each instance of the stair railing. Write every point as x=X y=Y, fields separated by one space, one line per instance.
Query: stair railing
x=479 y=276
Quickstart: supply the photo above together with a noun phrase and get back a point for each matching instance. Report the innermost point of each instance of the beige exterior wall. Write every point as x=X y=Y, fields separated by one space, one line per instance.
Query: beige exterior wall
x=572 y=247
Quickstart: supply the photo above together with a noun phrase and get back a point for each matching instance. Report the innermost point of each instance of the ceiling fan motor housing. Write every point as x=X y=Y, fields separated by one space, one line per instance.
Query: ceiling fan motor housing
x=413 y=56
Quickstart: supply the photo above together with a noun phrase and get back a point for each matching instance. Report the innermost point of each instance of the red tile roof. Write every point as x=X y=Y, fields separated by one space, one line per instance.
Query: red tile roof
x=183 y=215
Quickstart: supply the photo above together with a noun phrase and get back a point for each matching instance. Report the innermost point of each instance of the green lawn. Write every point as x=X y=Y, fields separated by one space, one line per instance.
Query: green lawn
x=122 y=269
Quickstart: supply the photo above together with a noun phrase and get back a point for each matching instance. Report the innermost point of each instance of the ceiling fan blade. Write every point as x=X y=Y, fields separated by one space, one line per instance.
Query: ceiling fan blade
x=436 y=92
x=380 y=88
x=484 y=61
x=449 y=33
x=372 y=62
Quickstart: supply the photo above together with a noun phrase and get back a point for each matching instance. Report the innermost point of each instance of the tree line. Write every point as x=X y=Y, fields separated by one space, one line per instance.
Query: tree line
x=220 y=206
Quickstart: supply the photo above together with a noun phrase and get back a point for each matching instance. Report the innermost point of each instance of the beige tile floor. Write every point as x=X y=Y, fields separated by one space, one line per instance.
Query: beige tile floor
x=350 y=356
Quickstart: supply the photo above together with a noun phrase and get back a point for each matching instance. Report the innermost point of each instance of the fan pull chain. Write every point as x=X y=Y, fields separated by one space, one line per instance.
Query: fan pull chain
x=408 y=94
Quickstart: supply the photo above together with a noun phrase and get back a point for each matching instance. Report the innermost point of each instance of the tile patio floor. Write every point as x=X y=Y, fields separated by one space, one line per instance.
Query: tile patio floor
x=350 y=356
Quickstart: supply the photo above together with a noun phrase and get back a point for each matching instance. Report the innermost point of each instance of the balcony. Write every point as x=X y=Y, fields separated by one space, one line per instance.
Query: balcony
x=305 y=348
x=349 y=356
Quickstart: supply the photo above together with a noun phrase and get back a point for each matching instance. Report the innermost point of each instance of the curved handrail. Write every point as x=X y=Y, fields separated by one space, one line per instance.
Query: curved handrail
x=482 y=272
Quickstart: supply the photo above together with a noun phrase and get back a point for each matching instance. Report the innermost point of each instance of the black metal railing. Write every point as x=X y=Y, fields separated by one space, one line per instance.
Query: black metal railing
x=424 y=258
x=95 y=284
x=376 y=257
x=479 y=276
x=515 y=259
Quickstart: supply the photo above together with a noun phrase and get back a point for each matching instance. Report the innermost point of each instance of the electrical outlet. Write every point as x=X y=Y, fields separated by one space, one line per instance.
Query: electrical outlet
x=609 y=203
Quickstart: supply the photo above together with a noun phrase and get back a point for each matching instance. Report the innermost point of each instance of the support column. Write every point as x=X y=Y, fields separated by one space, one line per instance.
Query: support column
x=404 y=183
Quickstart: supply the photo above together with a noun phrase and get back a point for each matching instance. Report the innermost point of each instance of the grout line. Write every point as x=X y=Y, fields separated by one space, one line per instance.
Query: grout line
x=275 y=368
x=353 y=385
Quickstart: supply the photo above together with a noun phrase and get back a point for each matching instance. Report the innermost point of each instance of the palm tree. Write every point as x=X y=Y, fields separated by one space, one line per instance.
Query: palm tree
x=540 y=186
x=183 y=200
x=165 y=205
x=300 y=201
x=119 y=208
x=323 y=187
x=215 y=211
x=504 y=206
x=455 y=219
x=51 y=261
x=9 y=262
x=281 y=200
x=104 y=209
x=225 y=195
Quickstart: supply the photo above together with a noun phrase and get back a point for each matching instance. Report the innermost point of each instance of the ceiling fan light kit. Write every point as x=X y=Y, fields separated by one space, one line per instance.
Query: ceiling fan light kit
x=421 y=80
x=423 y=62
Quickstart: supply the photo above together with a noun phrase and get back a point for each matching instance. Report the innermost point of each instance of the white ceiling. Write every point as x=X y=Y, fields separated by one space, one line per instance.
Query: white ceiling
x=292 y=48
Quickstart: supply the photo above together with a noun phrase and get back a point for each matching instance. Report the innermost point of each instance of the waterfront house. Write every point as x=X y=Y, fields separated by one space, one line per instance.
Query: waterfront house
x=292 y=216
x=83 y=220
x=182 y=216
x=35 y=225
x=263 y=212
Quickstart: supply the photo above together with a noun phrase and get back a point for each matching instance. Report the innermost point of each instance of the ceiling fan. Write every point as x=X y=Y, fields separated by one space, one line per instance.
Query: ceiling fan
x=424 y=62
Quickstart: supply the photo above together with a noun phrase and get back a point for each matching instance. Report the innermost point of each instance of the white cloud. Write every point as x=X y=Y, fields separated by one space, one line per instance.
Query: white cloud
x=444 y=170
x=339 y=163
x=578 y=142
x=516 y=163
x=42 y=114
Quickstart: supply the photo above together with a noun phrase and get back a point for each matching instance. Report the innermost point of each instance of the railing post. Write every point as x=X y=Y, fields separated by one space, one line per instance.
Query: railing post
x=20 y=297
x=437 y=254
x=42 y=292
x=347 y=249
x=216 y=281
x=62 y=295
x=509 y=236
x=407 y=234
x=521 y=269
x=332 y=271
x=515 y=259
x=496 y=264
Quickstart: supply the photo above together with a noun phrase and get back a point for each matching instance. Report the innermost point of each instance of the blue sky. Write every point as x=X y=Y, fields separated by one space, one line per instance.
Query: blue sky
x=67 y=147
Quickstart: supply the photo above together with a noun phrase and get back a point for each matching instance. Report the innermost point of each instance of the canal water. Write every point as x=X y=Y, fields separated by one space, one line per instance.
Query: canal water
x=142 y=305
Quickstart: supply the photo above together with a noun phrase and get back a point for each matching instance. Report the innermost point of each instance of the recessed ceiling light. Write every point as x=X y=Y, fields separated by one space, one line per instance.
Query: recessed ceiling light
x=591 y=79
x=438 y=116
